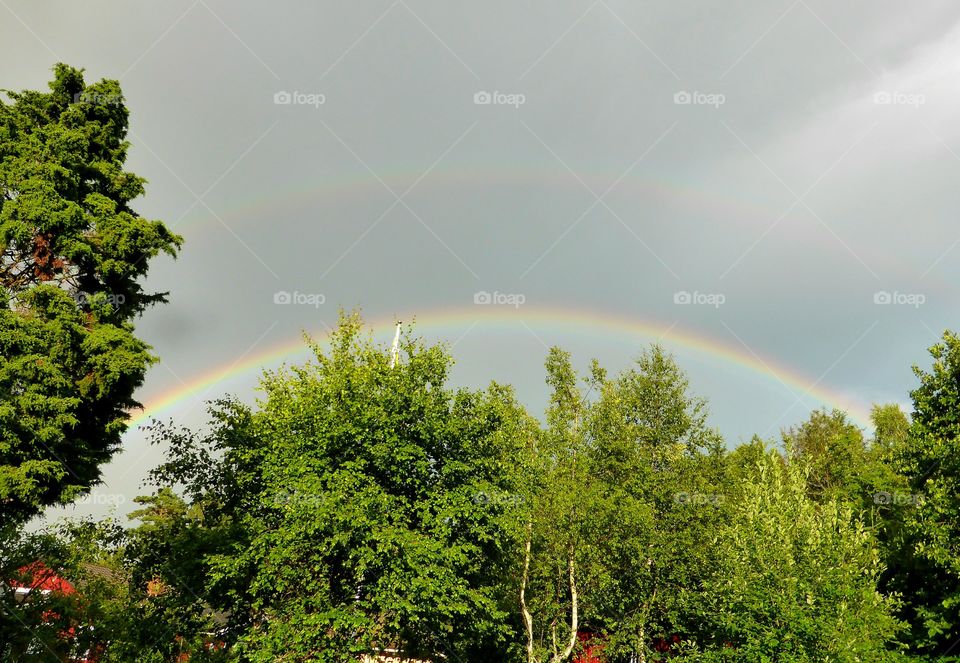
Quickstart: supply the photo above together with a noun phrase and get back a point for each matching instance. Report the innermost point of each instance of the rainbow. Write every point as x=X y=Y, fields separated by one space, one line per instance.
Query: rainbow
x=363 y=185
x=547 y=321
x=695 y=197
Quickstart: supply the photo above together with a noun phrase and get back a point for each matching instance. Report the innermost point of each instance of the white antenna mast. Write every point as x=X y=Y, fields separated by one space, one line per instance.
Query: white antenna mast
x=395 y=350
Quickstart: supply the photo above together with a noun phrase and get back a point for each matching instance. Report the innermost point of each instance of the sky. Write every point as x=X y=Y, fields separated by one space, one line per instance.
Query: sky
x=767 y=189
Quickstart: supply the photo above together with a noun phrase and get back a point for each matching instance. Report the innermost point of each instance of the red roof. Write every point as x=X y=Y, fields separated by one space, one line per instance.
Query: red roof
x=39 y=576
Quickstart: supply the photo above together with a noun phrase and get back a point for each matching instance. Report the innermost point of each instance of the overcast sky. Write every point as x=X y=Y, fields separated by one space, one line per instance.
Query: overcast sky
x=774 y=180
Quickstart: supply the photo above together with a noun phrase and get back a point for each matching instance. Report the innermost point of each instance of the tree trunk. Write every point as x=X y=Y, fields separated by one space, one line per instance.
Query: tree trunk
x=574 y=610
x=527 y=617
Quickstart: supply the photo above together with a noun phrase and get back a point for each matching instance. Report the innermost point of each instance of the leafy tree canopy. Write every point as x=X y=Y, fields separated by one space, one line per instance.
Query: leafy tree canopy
x=359 y=507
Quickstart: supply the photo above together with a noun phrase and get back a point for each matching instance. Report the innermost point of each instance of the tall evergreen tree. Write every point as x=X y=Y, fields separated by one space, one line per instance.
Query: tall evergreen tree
x=72 y=253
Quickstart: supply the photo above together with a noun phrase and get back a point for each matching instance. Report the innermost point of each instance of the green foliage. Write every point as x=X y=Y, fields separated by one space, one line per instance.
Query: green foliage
x=72 y=252
x=30 y=629
x=559 y=501
x=891 y=427
x=926 y=565
x=834 y=450
x=114 y=613
x=843 y=467
x=796 y=578
x=360 y=507
x=363 y=507
x=65 y=215
x=65 y=388
x=657 y=468
x=158 y=607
